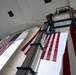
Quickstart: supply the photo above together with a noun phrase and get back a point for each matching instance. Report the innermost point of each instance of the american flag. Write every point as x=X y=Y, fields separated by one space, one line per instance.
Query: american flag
x=69 y=57
x=51 y=47
x=8 y=42
x=27 y=46
x=50 y=43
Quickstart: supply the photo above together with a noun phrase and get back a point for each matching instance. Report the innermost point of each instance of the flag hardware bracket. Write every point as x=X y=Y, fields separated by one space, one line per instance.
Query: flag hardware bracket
x=27 y=69
x=37 y=44
x=44 y=30
x=62 y=26
x=52 y=27
x=74 y=21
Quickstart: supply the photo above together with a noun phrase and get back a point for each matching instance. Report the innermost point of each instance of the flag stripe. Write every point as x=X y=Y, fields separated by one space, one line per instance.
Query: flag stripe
x=27 y=51
x=42 y=41
x=29 y=42
x=56 y=48
x=51 y=45
x=48 y=46
x=69 y=57
x=5 y=45
x=53 y=48
x=66 y=62
x=45 y=48
x=45 y=39
x=73 y=36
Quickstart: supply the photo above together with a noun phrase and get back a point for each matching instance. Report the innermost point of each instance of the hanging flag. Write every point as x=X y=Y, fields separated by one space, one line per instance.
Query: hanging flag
x=27 y=46
x=8 y=42
x=51 y=43
x=68 y=67
x=73 y=36
x=66 y=64
x=51 y=47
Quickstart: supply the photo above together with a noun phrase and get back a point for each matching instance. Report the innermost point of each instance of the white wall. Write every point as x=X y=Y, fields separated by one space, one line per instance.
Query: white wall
x=28 y=13
x=39 y=9
x=73 y=4
x=10 y=25
x=26 y=10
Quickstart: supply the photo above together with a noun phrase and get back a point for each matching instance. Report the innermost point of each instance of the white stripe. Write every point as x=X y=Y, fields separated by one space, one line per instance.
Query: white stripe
x=26 y=49
x=72 y=56
x=48 y=46
x=46 y=40
x=53 y=48
x=29 y=45
x=61 y=71
x=42 y=40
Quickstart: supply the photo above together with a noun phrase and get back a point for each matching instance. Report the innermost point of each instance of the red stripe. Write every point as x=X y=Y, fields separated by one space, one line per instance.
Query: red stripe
x=27 y=51
x=50 y=49
x=45 y=39
x=5 y=45
x=73 y=36
x=29 y=41
x=45 y=48
x=56 y=48
x=66 y=62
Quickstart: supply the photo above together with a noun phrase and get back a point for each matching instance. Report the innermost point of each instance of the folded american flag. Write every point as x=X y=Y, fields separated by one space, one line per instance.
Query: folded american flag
x=8 y=42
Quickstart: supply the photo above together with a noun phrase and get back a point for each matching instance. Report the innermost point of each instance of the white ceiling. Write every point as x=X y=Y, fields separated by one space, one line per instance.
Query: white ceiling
x=27 y=13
